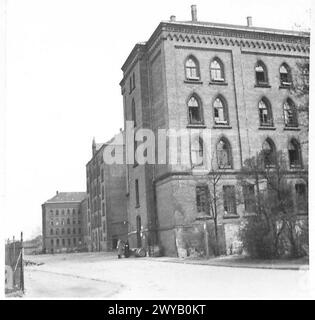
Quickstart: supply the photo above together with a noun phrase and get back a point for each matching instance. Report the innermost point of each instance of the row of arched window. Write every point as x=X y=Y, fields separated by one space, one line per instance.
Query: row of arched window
x=217 y=74
x=224 y=153
x=221 y=114
x=62 y=212
x=63 y=231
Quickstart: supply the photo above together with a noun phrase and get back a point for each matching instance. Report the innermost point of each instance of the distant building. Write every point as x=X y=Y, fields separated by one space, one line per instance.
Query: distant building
x=62 y=218
x=233 y=80
x=106 y=199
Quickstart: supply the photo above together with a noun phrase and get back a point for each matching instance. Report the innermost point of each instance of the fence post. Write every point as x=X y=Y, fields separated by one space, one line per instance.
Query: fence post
x=22 y=264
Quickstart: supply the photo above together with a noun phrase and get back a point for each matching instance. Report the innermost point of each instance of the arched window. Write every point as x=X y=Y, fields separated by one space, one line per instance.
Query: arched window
x=220 y=111
x=290 y=116
x=261 y=73
x=224 y=154
x=133 y=112
x=294 y=154
x=194 y=110
x=269 y=153
x=216 y=70
x=197 y=152
x=265 y=114
x=192 y=69
x=285 y=75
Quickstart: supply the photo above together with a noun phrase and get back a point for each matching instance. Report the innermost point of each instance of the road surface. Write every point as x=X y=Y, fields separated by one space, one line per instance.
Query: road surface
x=102 y=275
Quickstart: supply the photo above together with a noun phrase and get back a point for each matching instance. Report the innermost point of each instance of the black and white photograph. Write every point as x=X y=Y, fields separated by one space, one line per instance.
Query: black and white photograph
x=156 y=150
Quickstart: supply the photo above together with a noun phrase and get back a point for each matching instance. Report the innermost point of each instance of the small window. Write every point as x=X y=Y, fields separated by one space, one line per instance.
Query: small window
x=285 y=75
x=224 y=154
x=301 y=197
x=137 y=193
x=194 y=111
x=261 y=73
x=202 y=199
x=220 y=112
x=269 y=153
x=249 y=198
x=265 y=115
x=216 y=71
x=192 y=69
x=229 y=200
x=290 y=116
x=294 y=154
x=197 y=152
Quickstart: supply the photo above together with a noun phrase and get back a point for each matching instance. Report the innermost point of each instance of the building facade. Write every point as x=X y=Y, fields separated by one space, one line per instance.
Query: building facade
x=62 y=222
x=231 y=80
x=106 y=198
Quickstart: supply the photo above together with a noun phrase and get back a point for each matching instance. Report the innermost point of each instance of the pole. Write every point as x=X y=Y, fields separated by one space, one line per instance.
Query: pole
x=22 y=264
x=206 y=239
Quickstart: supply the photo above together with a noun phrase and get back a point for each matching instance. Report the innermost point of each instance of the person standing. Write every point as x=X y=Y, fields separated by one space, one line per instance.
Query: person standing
x=120 y=248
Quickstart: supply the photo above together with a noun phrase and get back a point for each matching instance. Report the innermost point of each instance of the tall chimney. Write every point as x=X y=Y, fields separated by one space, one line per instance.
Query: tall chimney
x=173 y=18
x=193 y=13
x=249 y=21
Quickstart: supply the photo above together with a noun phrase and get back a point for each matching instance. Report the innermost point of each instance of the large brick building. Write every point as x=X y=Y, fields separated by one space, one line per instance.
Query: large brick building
x=62 y=223
x=106 y=199
x=233 y=80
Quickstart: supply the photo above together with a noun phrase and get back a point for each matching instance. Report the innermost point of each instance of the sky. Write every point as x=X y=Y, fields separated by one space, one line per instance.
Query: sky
x=62 y=63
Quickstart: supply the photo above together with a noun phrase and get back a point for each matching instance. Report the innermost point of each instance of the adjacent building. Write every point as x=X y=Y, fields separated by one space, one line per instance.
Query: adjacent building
x=106 y=198
x=235 y=81
x=62 y=222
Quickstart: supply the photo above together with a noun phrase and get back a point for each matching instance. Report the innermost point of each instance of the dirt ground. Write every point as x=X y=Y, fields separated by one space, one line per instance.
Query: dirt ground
x=102 y=275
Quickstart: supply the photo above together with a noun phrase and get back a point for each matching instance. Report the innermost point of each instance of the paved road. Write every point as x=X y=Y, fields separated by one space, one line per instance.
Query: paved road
x=100 y=275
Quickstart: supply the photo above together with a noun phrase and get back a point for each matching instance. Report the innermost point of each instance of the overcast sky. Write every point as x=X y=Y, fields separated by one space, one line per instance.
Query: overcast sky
x=63 y=60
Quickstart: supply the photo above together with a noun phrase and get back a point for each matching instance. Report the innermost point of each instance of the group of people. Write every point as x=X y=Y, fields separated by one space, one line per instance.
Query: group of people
x=123 y=248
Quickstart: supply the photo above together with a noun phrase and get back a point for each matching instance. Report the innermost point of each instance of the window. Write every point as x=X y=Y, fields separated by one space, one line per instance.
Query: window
x=194 y=110
x=224 y=155
x=294 y=154
x=137 y=193
x=197 y=152
x=79 y=230
x=285 y=75
x=261 y=74
x=74 y=241
x=192 y=69
x=133 y=113
x=74 y=231
x=301 y=197
x=103 y=192
x=57 y=212
x=62 y=222
x=68 y=221
x=68 y=211
x=57 y=231
x=62 y=231
x=52 y=242
x=63 y=242
x=69 y=242
x=73 y=211
x=265 y=115
x=202 y=199
x=290 y=116
x=249 y=198
x=51 y=231
x=51 y=223
x=57 y=242
x=269 y=153
x=63 y=212
x=103 y=209
x=102 y=174
x=133 y=81
x=216 y=70
x=229 y=200
x=220 y=111
x=68 y=231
